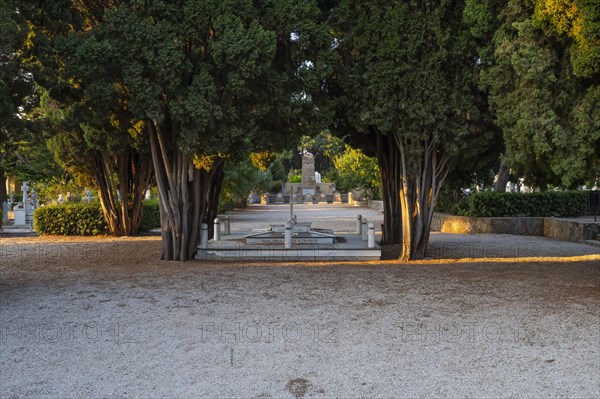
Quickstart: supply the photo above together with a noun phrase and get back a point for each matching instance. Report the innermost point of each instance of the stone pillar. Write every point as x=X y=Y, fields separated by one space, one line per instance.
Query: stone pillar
x=359 y=224
x=371 y=236
x=217 y=232
x=365 y=229
x=288 y=234
x=204 y=236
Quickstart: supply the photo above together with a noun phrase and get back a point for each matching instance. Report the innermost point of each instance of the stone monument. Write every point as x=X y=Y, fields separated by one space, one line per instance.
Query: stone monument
x=308 y=174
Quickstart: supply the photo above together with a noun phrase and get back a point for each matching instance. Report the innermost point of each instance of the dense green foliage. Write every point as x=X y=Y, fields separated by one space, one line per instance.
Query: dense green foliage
x=150 y=216
x=540 y=66
x=355 y=170
x=23 y=152
x=70 y=219
x=242 y=178
x=550 y=203
x=84 y=219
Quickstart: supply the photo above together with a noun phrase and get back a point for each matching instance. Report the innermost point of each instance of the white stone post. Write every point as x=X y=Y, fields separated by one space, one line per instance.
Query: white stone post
x=227 y=226
x=217 y=232
x=288 y=234
x=371 y=236
x=364 y=229
x=204 y=236
x=358 y=224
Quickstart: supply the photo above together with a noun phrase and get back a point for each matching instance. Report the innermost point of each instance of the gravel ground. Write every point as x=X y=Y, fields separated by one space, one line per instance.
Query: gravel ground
x=484 y=316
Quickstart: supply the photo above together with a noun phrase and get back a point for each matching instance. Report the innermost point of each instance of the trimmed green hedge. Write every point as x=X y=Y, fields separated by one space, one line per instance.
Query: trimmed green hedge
x=70 y=219
x=84 y=219
x=551 y=203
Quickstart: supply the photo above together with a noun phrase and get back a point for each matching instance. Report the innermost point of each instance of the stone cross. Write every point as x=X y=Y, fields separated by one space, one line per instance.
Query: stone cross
x=24 y=188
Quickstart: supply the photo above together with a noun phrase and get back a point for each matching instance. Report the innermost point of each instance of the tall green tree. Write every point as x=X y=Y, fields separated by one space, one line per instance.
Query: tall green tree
x=542 y=79
x=17 y=95
x=407 y=80
x=212 y=80
x=93 y=133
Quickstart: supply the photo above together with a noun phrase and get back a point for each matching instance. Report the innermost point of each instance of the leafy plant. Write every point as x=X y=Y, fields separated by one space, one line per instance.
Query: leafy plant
x=355 y=170
x=550 y=203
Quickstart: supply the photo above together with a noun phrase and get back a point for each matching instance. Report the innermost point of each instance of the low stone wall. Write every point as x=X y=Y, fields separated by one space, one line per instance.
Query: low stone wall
x=569 y=230
x=532 y=226
x=377 y=205
x=564 y=230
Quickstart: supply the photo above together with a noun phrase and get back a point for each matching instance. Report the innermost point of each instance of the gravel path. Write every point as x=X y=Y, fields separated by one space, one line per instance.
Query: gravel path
x=486 y=316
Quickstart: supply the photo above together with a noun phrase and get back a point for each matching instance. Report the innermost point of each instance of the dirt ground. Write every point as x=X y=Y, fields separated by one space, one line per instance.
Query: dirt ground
x=484 y=316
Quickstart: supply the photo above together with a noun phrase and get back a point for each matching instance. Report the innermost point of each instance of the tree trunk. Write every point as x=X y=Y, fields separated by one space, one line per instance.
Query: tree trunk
x=388 y=159
x=3 y=192
x=503 y=175
x=188 y=195
x=421 y=181
x=134 y=172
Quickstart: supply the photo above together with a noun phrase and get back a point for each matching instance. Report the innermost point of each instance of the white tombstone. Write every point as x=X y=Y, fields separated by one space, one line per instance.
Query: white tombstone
x=317 y=177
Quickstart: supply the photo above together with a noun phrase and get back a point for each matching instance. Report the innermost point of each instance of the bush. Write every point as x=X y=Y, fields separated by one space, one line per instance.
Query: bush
x=150 y=216
x=551 y=203
x=70 y=219
x=84 y=219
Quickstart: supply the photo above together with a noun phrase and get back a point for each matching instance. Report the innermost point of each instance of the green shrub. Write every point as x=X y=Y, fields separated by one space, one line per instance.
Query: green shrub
x=84 y=219
x=551 y=203
x=150 y=216
x=70 y=219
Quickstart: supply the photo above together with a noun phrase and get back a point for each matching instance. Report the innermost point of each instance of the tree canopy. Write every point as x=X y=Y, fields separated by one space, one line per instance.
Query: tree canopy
x=542 y=79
